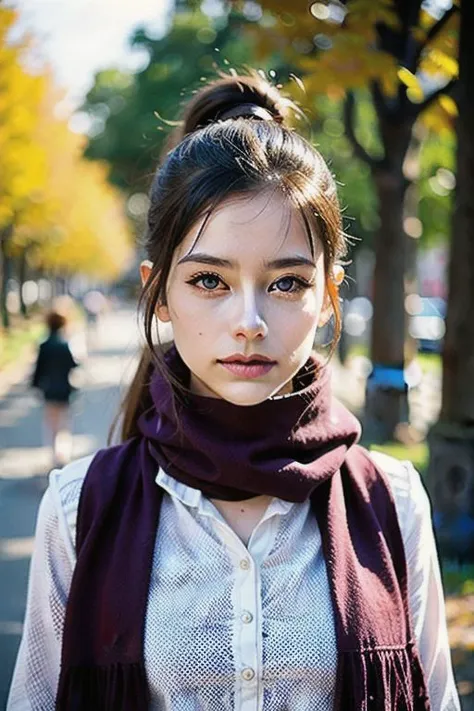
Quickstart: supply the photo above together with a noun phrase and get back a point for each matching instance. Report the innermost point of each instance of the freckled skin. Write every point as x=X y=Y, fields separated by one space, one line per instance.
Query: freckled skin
x=247 y=308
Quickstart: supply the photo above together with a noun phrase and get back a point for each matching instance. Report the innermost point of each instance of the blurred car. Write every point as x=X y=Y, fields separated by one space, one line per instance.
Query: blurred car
x=427 y=322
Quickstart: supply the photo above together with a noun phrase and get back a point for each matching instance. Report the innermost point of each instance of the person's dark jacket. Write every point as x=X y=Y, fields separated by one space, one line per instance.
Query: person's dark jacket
x=53 y=365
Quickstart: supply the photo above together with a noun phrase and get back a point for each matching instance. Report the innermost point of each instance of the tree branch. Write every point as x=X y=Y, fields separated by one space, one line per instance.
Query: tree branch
x=378 y=99
x=434 y=32
x=412 y=19
x=349 y=121
x=447 y=89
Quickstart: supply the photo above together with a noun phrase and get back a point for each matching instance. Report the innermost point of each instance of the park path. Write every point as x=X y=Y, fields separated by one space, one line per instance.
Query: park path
x=24 y=464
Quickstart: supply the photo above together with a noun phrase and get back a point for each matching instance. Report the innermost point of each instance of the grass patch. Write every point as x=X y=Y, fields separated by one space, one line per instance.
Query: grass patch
x=14 y=342
x=458 y=580
x=358 y=350
x=430 y=363
x=417 y=454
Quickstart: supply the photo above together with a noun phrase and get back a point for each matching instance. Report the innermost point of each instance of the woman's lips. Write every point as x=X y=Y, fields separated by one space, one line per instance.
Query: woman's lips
x=248 y=370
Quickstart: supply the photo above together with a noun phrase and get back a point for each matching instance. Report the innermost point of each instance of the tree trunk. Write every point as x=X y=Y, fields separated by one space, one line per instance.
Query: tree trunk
x=5 y=258
x=451 y=467
x=22 y=264
x=386 y=395
x=412 y=199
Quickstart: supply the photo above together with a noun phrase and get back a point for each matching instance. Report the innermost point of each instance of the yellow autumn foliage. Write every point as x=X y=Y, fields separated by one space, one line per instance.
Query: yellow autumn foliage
x=22 y=160
x=63 y=211
x=92 y=235
x=441 y=55
x=335 y=56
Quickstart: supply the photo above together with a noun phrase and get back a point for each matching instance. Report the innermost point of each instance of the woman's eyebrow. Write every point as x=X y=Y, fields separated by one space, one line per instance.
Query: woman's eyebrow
x=202 y=258
x=282 y=263
x=285 y=262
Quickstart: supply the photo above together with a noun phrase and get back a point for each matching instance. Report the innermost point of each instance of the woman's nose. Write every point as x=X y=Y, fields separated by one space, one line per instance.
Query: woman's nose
x=250 y=323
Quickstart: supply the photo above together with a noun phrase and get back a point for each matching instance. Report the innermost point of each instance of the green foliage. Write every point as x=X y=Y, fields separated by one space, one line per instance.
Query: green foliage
x=355 y=186
x=435 y=186
x=133 y=115
x=435 y=166
x=390 y=55
x=459 y=581
x=126 y=131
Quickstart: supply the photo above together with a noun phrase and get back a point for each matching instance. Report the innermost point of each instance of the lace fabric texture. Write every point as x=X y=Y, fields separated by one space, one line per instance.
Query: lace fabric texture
x=241 y=639
x=230 y=627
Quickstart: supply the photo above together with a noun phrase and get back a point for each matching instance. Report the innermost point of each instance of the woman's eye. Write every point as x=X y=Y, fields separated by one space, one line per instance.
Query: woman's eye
x=208 y=282
x=285 y=284
x=289 y=285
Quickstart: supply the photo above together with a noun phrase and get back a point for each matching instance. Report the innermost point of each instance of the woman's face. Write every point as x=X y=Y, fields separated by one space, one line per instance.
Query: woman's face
x=249 y=288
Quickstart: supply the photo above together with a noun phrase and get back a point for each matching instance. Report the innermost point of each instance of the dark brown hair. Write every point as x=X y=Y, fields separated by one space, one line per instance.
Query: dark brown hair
x=214 y=158
x=55 y=321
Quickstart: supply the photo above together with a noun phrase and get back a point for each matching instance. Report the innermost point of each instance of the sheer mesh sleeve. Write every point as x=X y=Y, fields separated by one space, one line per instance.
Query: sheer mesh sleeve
x=37 y=667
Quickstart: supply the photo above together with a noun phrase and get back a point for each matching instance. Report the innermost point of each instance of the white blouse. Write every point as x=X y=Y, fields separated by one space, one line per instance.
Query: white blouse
x=230 y=627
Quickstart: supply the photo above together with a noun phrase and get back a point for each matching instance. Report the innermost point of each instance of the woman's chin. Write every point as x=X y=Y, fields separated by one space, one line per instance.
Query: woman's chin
x=248 y=394
x=240 y=392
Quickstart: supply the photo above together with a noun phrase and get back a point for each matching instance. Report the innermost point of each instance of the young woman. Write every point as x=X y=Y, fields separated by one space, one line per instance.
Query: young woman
x=238 y=550
x=51 y=376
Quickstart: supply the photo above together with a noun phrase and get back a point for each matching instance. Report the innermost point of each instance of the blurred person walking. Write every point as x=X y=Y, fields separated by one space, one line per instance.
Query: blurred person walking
x=51 y=376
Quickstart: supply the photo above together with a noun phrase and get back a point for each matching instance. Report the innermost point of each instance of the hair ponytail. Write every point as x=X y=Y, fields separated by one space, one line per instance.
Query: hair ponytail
x=222 y=95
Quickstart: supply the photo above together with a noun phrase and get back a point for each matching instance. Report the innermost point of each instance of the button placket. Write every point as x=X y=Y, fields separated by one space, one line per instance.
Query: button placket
x=246 y=634
x=246 y=617
x=246 y=644
x=248 y=674
x=246 y=600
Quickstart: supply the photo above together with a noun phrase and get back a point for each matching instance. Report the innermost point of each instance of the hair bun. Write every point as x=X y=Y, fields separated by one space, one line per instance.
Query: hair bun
x=246 y=111
x=232 y=97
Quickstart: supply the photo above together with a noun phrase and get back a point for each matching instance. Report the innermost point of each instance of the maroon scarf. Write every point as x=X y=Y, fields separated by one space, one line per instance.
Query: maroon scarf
x=294 y=447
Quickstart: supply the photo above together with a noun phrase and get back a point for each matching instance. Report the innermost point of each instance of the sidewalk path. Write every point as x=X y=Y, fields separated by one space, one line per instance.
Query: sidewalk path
x=24 y=462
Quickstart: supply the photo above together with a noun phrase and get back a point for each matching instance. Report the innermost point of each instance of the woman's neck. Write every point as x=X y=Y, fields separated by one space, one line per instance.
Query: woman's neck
x=243 y=516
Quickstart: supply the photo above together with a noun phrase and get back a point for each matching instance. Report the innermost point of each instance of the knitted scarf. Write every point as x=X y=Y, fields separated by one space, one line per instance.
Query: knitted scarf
x=295 y=447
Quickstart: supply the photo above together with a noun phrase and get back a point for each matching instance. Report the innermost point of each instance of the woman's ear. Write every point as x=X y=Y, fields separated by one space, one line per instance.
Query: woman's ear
x=338 y=275
x=332 y=289
x=145 y=270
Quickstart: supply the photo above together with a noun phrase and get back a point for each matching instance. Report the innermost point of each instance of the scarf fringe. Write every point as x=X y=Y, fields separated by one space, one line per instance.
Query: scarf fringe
x=117 y=687
x=368 y=680
x=381 y=680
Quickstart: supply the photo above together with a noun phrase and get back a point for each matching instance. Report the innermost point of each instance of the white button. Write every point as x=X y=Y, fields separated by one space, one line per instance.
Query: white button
x=248 y=674
x=246 y=617
x=244 y=564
